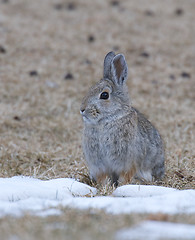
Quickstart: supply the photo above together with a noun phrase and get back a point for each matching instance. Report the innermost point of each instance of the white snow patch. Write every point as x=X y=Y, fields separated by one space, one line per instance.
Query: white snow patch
x=49 y=212
x=25 y=194
x=21 y=194
x=173 y=203
x=141 y=191
x=19 y=188
x=151 y=230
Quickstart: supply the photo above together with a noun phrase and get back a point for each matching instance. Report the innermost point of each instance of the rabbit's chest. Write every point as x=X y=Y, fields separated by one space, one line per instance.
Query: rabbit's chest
x=107 y=148
x=114 y=143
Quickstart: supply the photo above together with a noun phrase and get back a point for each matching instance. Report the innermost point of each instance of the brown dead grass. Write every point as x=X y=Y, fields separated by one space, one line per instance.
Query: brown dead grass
x=82 y=225
x=40 y=125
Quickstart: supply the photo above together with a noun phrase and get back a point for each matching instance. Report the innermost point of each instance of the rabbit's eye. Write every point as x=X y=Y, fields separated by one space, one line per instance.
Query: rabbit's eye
x=104 y=95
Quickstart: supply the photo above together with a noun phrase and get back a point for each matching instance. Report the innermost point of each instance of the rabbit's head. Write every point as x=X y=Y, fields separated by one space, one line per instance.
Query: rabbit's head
x=108 y=99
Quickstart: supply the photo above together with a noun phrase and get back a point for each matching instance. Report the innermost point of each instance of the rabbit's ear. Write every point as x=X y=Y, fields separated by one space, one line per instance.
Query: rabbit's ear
x=119 y=69
x=107 y=64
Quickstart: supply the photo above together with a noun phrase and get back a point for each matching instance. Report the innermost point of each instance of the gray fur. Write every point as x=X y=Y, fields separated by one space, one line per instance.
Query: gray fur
x=119 y=69
x=117 y=137
x=107 y=64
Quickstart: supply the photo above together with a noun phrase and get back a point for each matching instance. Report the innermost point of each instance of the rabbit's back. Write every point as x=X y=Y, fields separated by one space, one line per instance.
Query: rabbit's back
x=150 y=163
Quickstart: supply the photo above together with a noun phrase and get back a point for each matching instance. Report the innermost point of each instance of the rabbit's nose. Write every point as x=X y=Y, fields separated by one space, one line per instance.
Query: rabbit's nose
x=82 y=110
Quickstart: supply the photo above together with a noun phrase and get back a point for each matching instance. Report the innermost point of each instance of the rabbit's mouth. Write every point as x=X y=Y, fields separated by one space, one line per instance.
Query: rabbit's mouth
x=89 y=119
x=90 y=115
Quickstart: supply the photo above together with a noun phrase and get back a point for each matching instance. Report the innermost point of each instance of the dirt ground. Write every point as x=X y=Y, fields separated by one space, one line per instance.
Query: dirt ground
x=51 y=52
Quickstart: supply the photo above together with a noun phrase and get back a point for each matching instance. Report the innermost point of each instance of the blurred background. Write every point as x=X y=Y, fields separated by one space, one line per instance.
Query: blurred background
x=51 y=52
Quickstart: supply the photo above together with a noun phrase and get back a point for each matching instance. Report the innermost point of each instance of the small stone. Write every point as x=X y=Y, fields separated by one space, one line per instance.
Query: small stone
x=17 y=118
x=179 y=11
x=87 y=61
x=91 y=38
x=145 y=54
x=172 y=77
x=114 y=3
x=185 y=75
x=149 y=13
x=2 y=49
x=33 y=73
x=71 y=6
x=69 y=76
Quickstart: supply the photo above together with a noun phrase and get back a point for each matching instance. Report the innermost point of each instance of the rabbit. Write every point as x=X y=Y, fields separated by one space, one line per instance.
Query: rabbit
x=118 y=141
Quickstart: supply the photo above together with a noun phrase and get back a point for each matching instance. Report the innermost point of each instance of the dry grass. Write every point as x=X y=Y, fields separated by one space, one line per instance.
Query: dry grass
x=82 y=225
x=40 y=125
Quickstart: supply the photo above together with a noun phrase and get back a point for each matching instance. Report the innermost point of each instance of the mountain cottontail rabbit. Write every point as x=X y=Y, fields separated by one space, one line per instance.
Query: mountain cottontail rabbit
x=118 y=141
